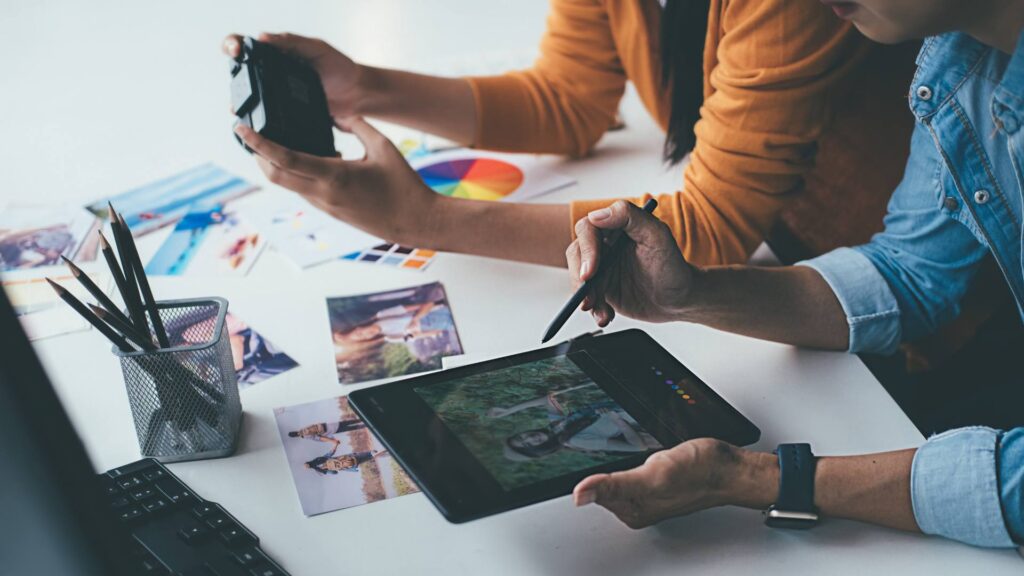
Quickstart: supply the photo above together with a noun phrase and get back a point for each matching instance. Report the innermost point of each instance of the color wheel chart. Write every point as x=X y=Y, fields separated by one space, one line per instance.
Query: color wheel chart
x=473 y=178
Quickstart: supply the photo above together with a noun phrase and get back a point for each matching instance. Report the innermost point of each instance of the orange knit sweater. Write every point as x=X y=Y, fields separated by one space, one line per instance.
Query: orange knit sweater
x=771 y=68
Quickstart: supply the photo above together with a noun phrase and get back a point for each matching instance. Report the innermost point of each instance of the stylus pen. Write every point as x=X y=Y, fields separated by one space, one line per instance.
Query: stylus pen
x=615 y=245
x=84 y=312
x=95 y=290
x=131 y=293
x=147 y=293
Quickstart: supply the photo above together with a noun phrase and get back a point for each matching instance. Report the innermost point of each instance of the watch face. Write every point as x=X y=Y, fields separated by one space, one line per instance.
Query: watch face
x=791 y=520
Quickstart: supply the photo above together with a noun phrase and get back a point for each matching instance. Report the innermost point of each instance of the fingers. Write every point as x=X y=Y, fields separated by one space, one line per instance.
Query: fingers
x=301 y=46
x=298 y=162
x=589 y=239
x=641 y=227
x=289 y=180
x=622 y=493
x=572 y=260
x=232 y=45
x=371 y=138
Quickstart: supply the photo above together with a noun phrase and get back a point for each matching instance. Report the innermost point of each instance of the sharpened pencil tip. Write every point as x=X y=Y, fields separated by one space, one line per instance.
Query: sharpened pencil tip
x=60 y=289
x=103 y=240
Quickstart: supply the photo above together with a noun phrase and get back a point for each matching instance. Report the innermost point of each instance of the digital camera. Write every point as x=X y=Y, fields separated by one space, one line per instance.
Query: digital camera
x=281 y=97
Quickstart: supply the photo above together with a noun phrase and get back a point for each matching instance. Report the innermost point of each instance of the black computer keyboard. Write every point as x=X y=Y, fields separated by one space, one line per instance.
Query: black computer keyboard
x=175 y=532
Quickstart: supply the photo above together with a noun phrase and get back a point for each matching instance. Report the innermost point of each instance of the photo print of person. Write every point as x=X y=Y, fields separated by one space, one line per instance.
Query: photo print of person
x=393 y=333
x=536 y=421
x=255 y=358
x=335 y=461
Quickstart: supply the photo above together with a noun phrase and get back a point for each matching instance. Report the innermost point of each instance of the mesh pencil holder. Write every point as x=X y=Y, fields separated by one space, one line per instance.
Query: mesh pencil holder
x=184 y=399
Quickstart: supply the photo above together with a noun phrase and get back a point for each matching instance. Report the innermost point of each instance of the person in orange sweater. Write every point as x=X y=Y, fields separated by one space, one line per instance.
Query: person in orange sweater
x=746 y=88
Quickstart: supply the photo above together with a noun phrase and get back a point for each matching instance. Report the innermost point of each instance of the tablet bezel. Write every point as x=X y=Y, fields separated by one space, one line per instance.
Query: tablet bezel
x=463 y=489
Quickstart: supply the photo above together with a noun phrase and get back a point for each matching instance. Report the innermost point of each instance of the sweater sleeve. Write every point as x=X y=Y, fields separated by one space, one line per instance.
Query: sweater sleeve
x=567 y=101
x=766 y=104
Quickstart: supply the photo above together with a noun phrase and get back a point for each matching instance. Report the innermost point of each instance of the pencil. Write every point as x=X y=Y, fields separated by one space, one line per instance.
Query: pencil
x=77 y=305
x=607 y=261
x=147 y=293
x=95 y=290
x=130 y=293
x=124 y=327
x=115 y=268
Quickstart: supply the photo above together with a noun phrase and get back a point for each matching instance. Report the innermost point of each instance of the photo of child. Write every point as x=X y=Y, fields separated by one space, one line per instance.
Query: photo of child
x=336 y=462
x=392 y=333
x=537 y=421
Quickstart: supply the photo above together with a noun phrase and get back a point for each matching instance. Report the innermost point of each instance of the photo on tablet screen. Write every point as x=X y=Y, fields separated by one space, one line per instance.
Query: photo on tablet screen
x=536 y=421
x=335 y=461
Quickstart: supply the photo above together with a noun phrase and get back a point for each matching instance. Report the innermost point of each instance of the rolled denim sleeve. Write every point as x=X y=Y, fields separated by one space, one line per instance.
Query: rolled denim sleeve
x=871 y=310
x=966 y=485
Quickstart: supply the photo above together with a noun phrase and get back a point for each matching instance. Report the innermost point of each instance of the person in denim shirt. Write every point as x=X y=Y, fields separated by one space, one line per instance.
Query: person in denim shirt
x=961 y=201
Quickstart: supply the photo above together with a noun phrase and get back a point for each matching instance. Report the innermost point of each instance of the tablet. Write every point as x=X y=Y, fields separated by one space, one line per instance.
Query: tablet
x=494 y=436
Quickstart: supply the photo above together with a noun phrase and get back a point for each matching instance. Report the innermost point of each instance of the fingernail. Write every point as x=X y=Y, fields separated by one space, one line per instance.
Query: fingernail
x=585 y=498
x=598 y=215
x=584 y=268
x=242 y=130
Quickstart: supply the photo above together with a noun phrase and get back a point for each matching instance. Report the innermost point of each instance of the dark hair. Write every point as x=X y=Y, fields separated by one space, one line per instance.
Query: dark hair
x=317 y=464
x=684 y=26
x=550 y=445
x=293 y=434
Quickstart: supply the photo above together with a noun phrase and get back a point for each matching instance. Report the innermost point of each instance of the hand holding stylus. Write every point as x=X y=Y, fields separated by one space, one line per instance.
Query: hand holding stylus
x=650 y=279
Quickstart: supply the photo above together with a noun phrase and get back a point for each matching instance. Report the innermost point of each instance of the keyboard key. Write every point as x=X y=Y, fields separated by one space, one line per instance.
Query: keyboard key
x=120 y=502
x=218 y=522
x=128 y=482
x=248 y=557
x=175 y=492
x=131 y=513
x=152 y=566
x=142 y=493
x=265 y=571
x=154 y=505
x=154 y=474
x=203 y=510
x=236 y=537
x=194 y=534
x=112 y=490
x=204 y=570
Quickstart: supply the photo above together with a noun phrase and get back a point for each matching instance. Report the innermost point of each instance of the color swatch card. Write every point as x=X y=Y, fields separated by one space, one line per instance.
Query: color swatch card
x=34 y=236
x=208 y=241
x=304 y=234
x=477 y=175
x=165 y=201
x=394 y=255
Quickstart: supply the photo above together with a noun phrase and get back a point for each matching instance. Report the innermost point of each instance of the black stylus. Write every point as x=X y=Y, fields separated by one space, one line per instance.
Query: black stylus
x=611 y=255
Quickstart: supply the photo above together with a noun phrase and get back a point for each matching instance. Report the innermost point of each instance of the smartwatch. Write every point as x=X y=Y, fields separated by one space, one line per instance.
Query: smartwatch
x=795 y=506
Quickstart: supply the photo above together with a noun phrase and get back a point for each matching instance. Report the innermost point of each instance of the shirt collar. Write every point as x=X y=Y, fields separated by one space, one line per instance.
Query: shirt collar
x=943 y=64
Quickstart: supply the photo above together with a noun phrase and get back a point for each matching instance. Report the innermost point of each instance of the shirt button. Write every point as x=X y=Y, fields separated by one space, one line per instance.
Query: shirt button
x=950 y=204
x=924 y=92
x=981 y=196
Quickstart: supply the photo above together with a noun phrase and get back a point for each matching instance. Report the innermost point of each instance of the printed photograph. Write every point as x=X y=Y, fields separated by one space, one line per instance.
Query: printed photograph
x=537 y=421
x=37 y=236
x=211 y=241
x=256 y=358
x=163 y=202
x=335 y=461
x=393 y=333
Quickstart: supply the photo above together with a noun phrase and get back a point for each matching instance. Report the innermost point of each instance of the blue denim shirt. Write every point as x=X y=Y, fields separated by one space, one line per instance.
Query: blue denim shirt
x=960 y=200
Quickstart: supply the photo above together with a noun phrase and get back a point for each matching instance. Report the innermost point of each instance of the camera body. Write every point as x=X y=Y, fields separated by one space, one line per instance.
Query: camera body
x=281 y=97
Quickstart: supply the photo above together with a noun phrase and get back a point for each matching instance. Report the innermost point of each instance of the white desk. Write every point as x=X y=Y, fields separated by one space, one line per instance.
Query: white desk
x=98 y=97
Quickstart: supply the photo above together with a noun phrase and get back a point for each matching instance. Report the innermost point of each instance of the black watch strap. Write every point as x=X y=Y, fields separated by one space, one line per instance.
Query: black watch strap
x=794 y=507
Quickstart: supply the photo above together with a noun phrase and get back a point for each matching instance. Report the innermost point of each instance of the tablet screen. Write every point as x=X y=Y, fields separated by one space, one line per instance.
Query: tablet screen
x=538 y=420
